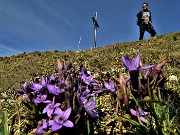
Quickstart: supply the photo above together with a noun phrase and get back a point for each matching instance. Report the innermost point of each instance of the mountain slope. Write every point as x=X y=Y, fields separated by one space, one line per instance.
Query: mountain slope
x=18 y=68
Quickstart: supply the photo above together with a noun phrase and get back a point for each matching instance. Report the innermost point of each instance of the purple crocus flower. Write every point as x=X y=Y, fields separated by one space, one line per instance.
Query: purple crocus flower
x=41 y=99
x=85 y=93
x=50 y=107
x=60 y=119
x=43 y=81
x=52 y=78
x=133 y=67
x=140 y=114
x=39 y=87
x=89 y=106
x=25 y=91
x=109 y=86
x=42 y=129
x=87 y=79
x=54 y=89
x=134 y=64
x=82 y=69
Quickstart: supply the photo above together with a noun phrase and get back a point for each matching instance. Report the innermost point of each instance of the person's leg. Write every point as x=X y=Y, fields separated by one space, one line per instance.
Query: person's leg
x=151 y=30
x=141 y=30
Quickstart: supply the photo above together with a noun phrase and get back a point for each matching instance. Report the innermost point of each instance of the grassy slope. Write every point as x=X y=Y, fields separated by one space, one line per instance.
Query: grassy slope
x=16 y=69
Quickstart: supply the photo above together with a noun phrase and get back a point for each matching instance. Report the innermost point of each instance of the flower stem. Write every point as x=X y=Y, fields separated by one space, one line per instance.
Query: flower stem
x=154 y=112
x=88 y=125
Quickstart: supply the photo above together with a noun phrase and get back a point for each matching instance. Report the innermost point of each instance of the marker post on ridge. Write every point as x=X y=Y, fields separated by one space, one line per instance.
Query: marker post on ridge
x=96 y=25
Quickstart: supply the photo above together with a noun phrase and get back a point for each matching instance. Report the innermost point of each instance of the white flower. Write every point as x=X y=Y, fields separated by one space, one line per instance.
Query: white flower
x=173 y=78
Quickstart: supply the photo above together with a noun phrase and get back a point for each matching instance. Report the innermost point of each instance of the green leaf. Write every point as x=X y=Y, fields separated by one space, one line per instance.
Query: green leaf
x=4 y=124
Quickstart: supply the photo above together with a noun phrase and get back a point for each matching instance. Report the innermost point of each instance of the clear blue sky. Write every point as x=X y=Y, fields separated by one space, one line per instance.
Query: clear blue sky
x=41 y=25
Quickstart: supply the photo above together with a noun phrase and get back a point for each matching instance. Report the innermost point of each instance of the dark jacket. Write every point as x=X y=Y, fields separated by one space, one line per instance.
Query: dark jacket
x=139 y=17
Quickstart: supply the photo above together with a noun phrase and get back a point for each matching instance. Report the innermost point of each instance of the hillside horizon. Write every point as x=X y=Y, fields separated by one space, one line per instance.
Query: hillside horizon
x=82 y=49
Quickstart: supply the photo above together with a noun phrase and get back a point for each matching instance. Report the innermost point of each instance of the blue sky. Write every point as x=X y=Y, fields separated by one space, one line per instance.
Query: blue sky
x=41 y=25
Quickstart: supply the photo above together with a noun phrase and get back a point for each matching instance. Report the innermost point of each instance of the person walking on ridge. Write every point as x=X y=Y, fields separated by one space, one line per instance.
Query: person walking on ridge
x=144 y=21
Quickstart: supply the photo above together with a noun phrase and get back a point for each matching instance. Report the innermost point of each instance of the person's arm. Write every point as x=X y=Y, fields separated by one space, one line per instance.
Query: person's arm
x=150 y=18
x=139 y=16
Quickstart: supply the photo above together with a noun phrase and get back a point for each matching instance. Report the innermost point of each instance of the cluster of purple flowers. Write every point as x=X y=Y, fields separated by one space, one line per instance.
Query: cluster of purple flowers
x=59 y=99
x=53 y=97
x=44 y=94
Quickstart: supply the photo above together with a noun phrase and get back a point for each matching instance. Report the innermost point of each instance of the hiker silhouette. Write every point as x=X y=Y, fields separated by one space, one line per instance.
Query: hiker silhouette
x=144 y=21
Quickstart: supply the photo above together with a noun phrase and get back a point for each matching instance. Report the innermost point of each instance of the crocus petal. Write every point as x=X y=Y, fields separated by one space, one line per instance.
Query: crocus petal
x=37 y=100
x=43 y=97
x=68 y=123
x=53 y=100
x=86 y=92
x=57 y=119
x=133 y=112
x=25 y=85
x=52 y=122
x=46 y=101
x=36 y=87
x=90 y=78
x=50 y=87
x=96 y=92
x=67 y=113
x=52 y=78
x=112 y=86
x=58 y=111
x=126 y=61
x=140 y=111
x=50 y=112
x=143 y=119
x=56 y=127
x=109 y=86
x=45 y=109
x=145 y=113
x=131 y=65
x=56 y=105
x=39 y=131
x=53 y=89
x=106 y=85
x=83 y=69
x=83 y=100
x=87 y=79
x=43 y=81
x=44 y=124
x=90 y=105
x=146 y=67
x=92 y=113
x=136 y=61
